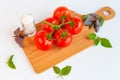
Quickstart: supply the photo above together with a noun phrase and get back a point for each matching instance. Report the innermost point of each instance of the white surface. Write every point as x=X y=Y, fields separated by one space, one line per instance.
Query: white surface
x=95 y=63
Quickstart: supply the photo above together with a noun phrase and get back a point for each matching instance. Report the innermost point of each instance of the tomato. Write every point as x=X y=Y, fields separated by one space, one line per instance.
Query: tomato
x=61 y=11
x=42 y=42
x=76 y=27
x=48 y=28
x=62 y=38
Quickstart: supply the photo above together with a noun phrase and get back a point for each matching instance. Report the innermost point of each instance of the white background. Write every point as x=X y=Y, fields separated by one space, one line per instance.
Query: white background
x=94 y=63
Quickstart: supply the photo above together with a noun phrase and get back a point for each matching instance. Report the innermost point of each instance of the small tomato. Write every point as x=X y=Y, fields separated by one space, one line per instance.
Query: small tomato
x=42 y=42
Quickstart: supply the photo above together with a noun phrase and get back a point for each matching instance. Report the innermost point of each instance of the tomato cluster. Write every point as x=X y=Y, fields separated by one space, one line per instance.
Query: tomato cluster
x=58 y=29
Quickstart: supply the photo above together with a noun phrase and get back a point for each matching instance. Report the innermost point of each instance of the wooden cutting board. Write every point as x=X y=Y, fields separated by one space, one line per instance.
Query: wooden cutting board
x=42 y=60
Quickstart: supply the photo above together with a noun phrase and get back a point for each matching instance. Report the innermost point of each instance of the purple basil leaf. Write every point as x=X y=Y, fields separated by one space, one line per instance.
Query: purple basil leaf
x=92 y=21
x=17 y=31
x=97 y=26
x=93 y=14
x=18 y=40
x=88 y=21
x=97 y=23
x=94 y=17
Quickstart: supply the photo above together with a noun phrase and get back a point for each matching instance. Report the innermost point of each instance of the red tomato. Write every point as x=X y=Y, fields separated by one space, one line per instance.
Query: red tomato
x=76 y=27
x=61 y=11
x=60 y=40
x=42 y=42
x=47 y=27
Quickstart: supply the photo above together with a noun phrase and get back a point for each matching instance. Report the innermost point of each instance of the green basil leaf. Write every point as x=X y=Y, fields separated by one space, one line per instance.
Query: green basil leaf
x=10 y=62
x=84 y=17
x=96 y=41
x=106 y=43
x=101 y=20
x=66 y=70
x=56 y=70
x=92 y=36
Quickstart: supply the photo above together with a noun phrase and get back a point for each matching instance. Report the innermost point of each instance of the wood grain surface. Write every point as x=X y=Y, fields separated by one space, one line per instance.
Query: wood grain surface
x=42 y=60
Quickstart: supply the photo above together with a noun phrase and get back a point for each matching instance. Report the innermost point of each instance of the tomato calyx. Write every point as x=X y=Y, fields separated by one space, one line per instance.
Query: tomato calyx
x=62 y=38
x=64 y=34
x=63 y=17
x=49 y=36
x=42 y=42
x=71 y=23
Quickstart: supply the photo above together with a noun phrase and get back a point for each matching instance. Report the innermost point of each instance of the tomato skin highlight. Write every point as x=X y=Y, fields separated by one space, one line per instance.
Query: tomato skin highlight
x=64 y=42
x=60 y=41
x=47 y=27
x=56 y=34
x=42 y=42
x=61 y=11
x=76 y=27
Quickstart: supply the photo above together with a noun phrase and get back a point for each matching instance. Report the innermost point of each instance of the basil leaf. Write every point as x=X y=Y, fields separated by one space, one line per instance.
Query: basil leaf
x=66 y=70
x=92 y=36
x=84 y=17
x=96 y=41
x=56 y=70
x=101 y=20
x=106 y=43
x=10 y=62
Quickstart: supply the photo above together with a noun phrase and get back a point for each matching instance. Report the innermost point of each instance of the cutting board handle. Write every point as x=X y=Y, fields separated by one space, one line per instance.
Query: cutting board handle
x=106 y=12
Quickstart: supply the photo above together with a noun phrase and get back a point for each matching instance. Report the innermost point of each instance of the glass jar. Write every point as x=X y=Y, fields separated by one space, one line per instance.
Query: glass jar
x=28 y=24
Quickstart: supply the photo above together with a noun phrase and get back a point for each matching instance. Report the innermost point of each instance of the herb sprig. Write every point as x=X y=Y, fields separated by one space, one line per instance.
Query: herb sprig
x=19 y=36
x=93 y=20
x=62 y=72
x=104 y=41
